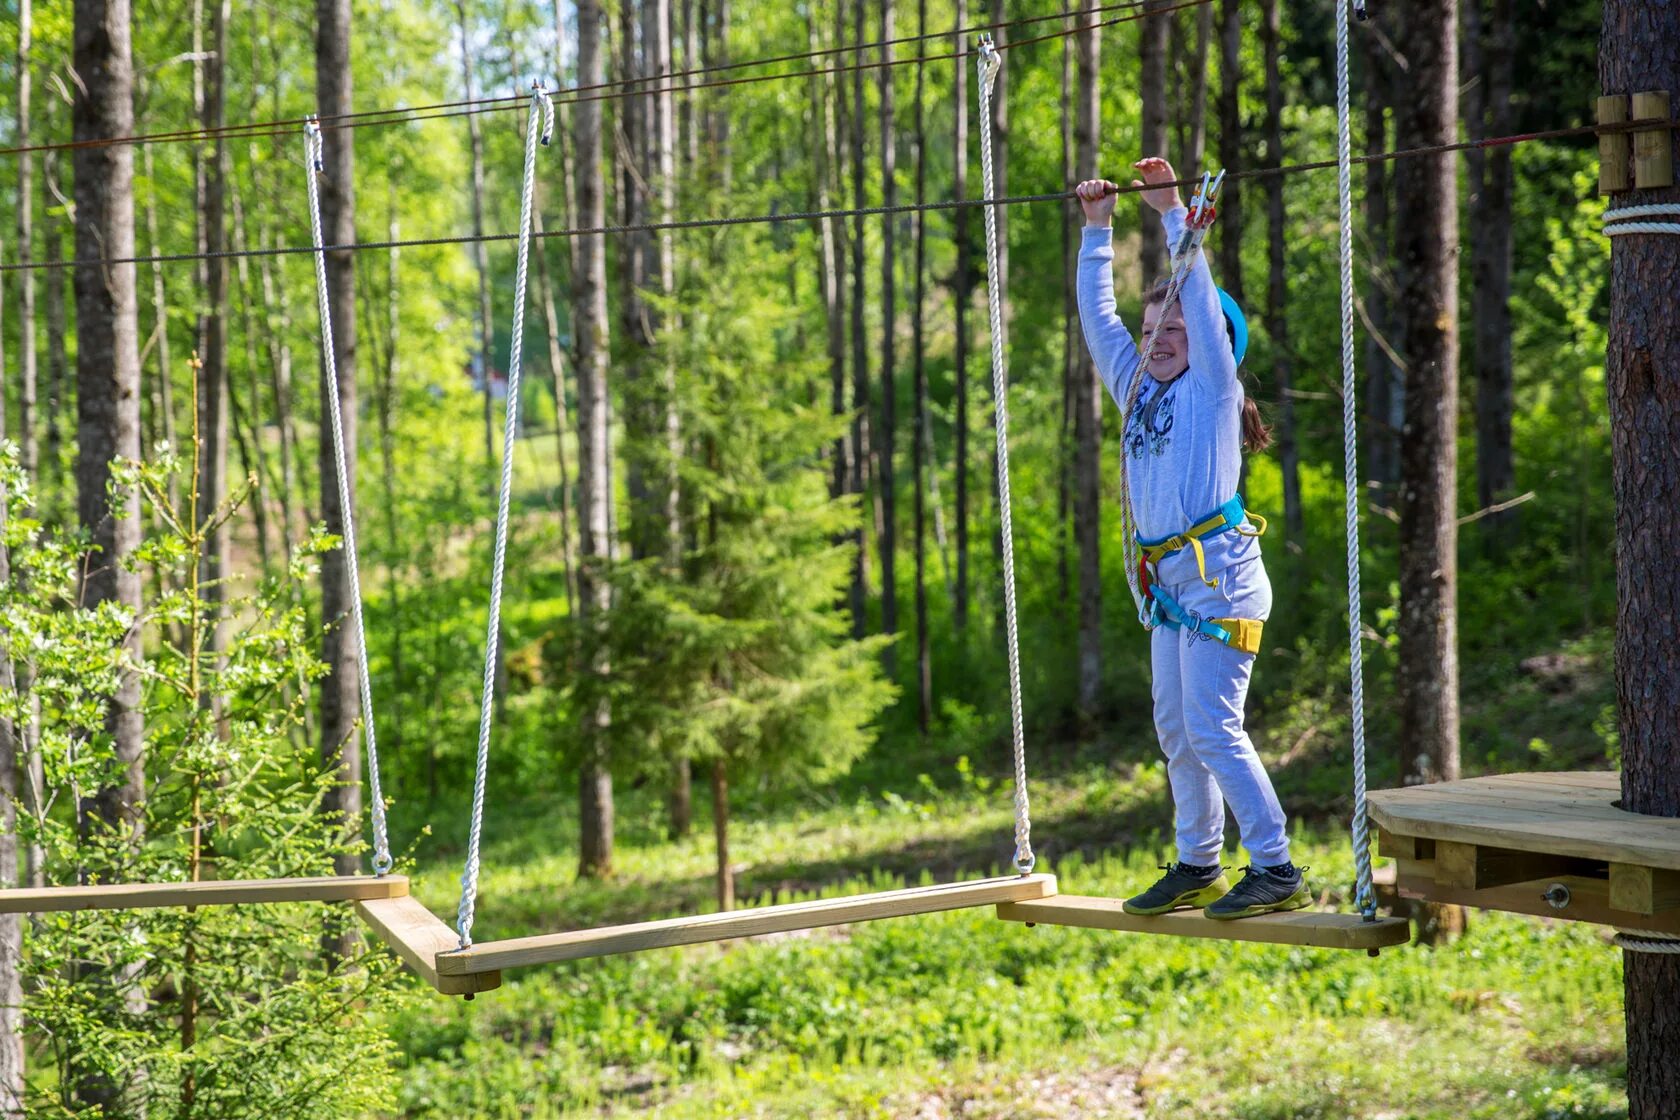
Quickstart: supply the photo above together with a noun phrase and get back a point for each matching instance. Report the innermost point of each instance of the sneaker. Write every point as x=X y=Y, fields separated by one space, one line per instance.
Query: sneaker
x=1179 y=887
x=1262 y=891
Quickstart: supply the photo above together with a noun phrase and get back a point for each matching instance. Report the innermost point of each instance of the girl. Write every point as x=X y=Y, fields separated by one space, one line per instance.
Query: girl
x=1207 y=590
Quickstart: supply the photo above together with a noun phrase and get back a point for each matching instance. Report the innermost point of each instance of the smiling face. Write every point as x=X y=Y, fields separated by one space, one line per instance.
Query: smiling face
x=1169 y=350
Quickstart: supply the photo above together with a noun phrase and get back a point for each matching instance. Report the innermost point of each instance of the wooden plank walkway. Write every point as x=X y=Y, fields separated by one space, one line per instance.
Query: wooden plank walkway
x=1298 y=927
x=210 y=892
x=494 y=956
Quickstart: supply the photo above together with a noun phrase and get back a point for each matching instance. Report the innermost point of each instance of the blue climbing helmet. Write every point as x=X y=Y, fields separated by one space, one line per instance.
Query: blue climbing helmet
x=1236 y=324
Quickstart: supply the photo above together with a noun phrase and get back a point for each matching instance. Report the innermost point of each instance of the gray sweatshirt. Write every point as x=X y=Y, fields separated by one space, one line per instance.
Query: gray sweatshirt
x=1184 y=437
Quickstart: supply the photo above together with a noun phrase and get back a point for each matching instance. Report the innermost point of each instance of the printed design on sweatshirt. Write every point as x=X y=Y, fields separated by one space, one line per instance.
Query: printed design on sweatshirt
x=1151 y=424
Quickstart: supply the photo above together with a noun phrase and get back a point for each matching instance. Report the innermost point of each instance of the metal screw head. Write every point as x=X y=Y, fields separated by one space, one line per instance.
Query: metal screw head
x=1557 y=896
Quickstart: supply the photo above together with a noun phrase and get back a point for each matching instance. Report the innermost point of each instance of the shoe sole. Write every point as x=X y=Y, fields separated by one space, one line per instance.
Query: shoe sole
x=1297 y=901
x=1193 y=900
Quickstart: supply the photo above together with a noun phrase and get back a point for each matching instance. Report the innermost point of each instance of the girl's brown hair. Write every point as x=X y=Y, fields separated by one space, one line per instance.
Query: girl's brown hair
x=1256 y=433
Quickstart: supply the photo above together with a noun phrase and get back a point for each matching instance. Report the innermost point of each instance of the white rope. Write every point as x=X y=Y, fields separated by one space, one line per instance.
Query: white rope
x=313 y=159
x=1616 y=222
x=543 y=108
x=1364 y=896
x=989 y=62
x=1645 y=941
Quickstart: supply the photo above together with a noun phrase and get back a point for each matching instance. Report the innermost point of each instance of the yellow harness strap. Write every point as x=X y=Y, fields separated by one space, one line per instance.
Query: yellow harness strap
x=1192 y=538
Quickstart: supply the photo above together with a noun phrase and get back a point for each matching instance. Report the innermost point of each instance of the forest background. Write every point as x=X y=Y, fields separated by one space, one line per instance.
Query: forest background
x=754 y=529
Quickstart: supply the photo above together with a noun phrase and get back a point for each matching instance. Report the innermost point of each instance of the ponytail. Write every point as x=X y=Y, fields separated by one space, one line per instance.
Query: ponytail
x=1256 y=433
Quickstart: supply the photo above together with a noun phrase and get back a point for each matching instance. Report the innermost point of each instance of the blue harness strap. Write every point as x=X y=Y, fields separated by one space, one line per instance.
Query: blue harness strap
x=1164 y=610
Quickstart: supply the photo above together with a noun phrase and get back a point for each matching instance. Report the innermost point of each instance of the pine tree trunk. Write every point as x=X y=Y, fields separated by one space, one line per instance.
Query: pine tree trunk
x=1277 y=291
x=486 y=327
x=1087 y=402
x=829 y=234
x=1152 y=85
x=1490 y=250
x=919 y=453
x=1384 y=392
x=1196 y=151
x=162 y=423
x=1427 y=221
x=589 y=318
x=961 y=297
x=212 y=386
x=1065 y=445
x=58 y=363
x=861 y=459
x=276 y=322
x=340 y=702
x=1000 y=282
x=108 y=421
x=888 y=539
x=386 y=418
x=12 y=782
x=1230 y=147
x=720 y=834
x=1640 y=50
x=25 y=254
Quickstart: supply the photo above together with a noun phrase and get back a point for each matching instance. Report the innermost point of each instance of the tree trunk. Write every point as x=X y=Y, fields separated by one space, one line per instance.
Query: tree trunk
x=1384 y=391
x=340 y=702
x=1640 y=50
x=12 y=785
x=108 y=416
x=277 y=321
x=385 y=413
x=919 y=453
x=1230 y=147
x=830 y=232
x=999 y=283
x=888 y=538
x=861 y=460
x=1490 y=250
x=58 y=363
x=1427 y=221
x=720 y=833
x=481 y=262
x=557 y=364
x=25 y=255
x=1277 y=291
x=1065 y=444
x=258 y=464
x=1196 y=152
x=589 y=319
x=1087 y=401
x=962 y=295
x=1152 y=83
x=162 y=420
x=213 y=375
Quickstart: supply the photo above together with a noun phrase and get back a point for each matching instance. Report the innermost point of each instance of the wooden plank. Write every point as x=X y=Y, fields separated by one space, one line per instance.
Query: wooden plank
x=1404 y=847
x=1615 y=149
x=612 y=940
x=211 y=892
x=1298 y=927
x=416 y=935
x=1653 y=148
x=1476 y=866
x=1644 y=890
x=1589 y=900
x=1593 y=780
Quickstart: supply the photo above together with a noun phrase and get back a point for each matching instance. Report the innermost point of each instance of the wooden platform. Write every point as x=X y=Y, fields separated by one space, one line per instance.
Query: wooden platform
x=494 y=956
x=418 y=936
x=1504 y=842
x=214 y=892
x=1298 y=927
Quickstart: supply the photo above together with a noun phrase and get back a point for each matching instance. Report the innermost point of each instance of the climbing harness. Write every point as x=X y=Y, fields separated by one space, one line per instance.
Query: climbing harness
x=1227 y=518
x=1164 y=610
x=1203 y=211
x=314 y=166
x=989 y=61
x=541 y=109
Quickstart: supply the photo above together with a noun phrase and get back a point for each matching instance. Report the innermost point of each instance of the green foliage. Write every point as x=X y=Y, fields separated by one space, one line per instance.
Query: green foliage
x=220 y=1012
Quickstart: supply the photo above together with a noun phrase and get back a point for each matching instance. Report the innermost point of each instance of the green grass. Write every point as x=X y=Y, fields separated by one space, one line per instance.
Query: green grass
x=960 y=1014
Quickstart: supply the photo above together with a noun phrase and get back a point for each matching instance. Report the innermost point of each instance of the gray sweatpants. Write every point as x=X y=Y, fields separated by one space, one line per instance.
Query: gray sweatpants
x=1200 y=685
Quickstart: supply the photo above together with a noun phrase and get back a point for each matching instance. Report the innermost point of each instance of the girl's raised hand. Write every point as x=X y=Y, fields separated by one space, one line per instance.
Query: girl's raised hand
x=1154 y=169
x=1097 y=199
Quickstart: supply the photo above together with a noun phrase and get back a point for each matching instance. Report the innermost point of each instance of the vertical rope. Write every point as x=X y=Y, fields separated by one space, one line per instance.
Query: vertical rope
x=543 y=108
x=313 y=159
x=1364 y=896
x=989 y=62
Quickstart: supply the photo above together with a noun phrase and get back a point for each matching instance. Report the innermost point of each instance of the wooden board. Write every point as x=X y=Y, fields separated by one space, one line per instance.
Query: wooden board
x=1589 y=899
x=611 y=940
x=1474 y=866
x=416 y=935
x=1562 y=814
x=1298 y=927
x=212 y=892
x=1644 y=890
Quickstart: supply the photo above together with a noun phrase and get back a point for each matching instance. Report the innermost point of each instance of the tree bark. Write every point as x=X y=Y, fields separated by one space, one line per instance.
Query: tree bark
x=12 y=791
x=1640 y=50
x=25 y=253
x=861 y=460
x=1277 y=290
x=720 y=834
x=1152 y=50
x=1427 y=222
x=340 y=702
x=1490 y=251
x=887 y=539
x=1066 y=447
x=481 y=262
x=1087 y=401
x=964 y=290
x=919 y=453
x=163 y=404
x=58 y=363
x=589 y=318
x=212 y=385
x=830 y=233
x=1196 y=152
x=1230 y=147
x=1384 y=390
